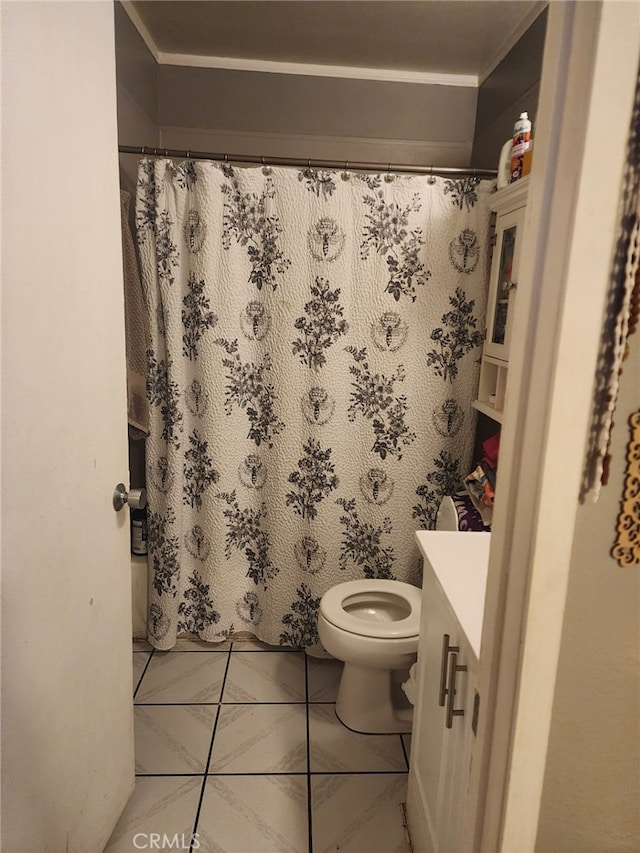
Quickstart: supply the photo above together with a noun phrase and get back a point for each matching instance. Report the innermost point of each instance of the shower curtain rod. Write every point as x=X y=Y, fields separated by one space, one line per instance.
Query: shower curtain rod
x=310 y=162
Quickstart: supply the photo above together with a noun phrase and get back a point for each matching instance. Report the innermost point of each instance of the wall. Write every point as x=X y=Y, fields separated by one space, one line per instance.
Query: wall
x=592 y=785
x=513 y=86
x=136 y=75
x=323 y=117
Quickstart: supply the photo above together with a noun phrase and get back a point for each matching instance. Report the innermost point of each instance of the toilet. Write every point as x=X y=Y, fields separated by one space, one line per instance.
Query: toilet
x=373 y=626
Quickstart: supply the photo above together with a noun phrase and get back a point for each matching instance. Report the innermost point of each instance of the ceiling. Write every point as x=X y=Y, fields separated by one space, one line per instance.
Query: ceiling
x=463 y=37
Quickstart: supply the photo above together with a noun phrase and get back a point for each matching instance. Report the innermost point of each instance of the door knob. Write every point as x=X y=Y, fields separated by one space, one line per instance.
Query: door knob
x=136 y=498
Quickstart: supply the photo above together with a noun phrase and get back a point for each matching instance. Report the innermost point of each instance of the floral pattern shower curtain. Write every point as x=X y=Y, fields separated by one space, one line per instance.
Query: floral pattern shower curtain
x=315 y=342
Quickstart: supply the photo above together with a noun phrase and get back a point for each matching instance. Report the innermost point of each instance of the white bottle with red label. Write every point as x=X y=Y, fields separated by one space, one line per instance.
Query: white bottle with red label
x=521 y=143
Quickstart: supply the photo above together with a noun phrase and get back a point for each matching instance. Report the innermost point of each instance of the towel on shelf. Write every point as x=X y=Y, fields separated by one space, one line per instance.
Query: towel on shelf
x=481 y=492
x=137 y=338
x=481 y=482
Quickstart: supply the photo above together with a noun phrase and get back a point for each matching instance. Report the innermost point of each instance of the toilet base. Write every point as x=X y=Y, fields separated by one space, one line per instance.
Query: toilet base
x=371 y=701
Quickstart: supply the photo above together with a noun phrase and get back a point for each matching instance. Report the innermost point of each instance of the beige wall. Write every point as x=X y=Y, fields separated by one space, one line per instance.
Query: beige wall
x=591 y=792
x=323 y=117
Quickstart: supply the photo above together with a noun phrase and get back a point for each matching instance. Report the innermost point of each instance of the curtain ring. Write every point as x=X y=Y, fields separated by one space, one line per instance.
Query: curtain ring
x=388 y=177
x=266 y=170
x=188 y=153
x=155 y=152
x=142 y=151
x=431 y=179
x=345 y=175
x=226 y=157
x=166 y=152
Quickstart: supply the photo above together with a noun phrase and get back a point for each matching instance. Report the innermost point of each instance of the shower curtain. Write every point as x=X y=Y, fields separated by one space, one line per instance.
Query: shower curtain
x=315 y=338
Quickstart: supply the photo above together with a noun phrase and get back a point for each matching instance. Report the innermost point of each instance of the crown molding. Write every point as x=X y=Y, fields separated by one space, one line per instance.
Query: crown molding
x=304 y=69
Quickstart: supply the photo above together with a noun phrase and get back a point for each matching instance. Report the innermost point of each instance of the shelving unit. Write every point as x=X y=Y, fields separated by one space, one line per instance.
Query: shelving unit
x=509 y=205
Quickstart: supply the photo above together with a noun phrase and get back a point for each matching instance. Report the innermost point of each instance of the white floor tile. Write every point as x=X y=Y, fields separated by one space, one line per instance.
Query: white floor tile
x=183 y=677
x=335 y=748
x=359 y=814
x=161 y=805
x=173 y=738
x=258 y=677
x=260 y=739
x=324 y=679
x=254 y=814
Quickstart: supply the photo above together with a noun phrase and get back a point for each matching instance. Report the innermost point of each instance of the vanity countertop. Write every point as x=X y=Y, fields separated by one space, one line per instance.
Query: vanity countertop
x=460 y=562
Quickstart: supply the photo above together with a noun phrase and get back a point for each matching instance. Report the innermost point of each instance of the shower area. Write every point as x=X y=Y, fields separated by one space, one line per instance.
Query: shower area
x=314 y=332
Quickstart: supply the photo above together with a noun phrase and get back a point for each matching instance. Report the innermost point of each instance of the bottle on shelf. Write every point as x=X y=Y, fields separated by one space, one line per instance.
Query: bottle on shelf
x=139 y=532
x=521 y=144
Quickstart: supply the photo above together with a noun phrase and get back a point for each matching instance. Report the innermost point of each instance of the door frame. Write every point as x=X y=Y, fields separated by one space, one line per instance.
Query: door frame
x=588 y=82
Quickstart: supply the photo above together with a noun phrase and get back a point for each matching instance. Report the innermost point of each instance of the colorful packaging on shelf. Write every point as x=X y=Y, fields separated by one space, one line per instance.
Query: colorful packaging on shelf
x=521 y=143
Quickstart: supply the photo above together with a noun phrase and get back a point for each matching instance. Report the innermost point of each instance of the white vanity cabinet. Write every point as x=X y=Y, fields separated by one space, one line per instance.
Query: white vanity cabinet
x=509 y=205
x=445 y=716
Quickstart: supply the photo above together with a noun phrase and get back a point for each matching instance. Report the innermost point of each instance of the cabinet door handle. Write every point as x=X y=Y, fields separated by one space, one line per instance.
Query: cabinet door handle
x=454 y=669
x=446 y=651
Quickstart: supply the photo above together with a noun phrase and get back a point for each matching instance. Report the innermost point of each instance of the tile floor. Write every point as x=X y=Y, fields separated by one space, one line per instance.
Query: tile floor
x=239 y=747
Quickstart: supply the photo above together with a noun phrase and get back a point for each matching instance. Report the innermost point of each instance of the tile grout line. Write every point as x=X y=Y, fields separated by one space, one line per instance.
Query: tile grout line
x=309 y=805
x=393 y=772
x=144 y=672
x=206 y=767
x=226 y=704
x=404 y=752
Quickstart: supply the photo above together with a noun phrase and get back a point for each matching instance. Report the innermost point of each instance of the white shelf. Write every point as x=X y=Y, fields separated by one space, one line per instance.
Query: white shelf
x=488 y=410
x=512 y=196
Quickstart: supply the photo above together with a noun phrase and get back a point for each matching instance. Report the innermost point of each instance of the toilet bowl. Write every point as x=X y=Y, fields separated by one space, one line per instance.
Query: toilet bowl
x=373 y=626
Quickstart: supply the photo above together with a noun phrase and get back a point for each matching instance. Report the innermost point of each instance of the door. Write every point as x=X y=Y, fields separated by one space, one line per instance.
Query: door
x=442 y=733
x=67 y=716
x=503 y=283
x=426 y=778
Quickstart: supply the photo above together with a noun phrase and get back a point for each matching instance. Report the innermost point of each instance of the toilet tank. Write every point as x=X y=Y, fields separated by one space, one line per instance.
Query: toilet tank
x=447 y=517
x=457 y=512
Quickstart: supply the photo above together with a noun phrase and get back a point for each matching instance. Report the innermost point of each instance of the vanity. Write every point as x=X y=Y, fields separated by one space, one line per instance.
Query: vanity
x=448 y=705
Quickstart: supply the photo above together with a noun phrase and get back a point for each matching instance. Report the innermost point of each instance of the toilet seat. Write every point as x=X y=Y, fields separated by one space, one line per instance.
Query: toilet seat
x=404 y=597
